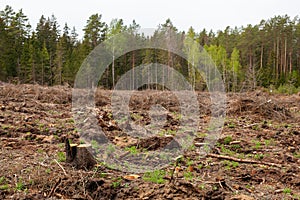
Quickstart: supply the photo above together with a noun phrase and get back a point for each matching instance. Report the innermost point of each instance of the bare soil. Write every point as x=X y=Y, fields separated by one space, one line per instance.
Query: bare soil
x=256 y=157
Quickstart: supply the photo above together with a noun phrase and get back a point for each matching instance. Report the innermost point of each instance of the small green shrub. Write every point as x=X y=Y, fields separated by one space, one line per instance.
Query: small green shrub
x=94 y=144
x=287 y=89
x=227 y=139
x=133 y=150
x=4 y=187
x=156 y=176
x=297 y=154
x=61 y=157
x=287 y=191
x=259 y=156
x=188 y=175
x=2 y=179
x=257 y=144
x=20 y=186
x=230 y=164
x=116 y=184
x=231 y=125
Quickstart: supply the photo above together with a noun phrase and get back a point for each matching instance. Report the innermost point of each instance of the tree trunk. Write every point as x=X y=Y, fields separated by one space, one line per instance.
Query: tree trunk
x=113 y=73
x=261 y=56
x=277 y=59
x=133 y=63
x=43 y=73
x=291 y=65
x=274 y=61
x=79 y=156
x=285 y=56
x=113 y=67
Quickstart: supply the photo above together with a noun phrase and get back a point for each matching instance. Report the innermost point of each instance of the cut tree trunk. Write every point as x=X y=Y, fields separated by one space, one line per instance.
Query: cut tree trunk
x=79 y=156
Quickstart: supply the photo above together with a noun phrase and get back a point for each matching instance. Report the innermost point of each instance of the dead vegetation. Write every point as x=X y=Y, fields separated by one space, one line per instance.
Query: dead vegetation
x=256 y=157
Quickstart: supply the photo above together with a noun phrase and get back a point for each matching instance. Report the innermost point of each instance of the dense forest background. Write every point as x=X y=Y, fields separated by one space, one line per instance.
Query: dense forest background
x=262 y=55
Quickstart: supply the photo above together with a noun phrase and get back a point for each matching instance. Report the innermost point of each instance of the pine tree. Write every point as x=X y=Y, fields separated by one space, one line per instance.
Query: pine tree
x=20 y=32
x=44 y=63
x=94 y=31
x=9 y=54
x=3 y=49
x=34 y=59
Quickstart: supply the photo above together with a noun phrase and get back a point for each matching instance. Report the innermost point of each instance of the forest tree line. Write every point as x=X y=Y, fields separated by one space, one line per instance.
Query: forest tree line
x=262 y=55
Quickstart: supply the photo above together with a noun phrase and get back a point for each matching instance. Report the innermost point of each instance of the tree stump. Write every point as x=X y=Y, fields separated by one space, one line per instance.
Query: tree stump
x=79 y=156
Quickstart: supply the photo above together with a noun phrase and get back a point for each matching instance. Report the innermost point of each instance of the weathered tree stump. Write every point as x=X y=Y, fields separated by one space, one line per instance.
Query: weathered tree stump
x=79 y=156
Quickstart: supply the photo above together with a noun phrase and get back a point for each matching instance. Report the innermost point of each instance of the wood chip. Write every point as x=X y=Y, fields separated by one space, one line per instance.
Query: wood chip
x=131 y=177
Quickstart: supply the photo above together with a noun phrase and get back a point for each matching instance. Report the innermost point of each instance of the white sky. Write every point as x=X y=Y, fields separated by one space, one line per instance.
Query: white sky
x=209 y=14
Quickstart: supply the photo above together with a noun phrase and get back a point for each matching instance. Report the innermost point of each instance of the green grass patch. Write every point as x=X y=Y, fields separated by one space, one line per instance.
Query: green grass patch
x=227 y=151
x=188 y=176
x=4 y=187
x=116 y=183
x=230 y=164
x=156 y=176
x=20 y=186
x=297 y=154
x=227 y=140
x=287 y=191
x=133 y=150
x=61 y=157
x=2 y=179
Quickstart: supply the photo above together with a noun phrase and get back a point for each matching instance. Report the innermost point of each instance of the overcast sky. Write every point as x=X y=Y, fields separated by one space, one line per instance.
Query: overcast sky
x=209 y=14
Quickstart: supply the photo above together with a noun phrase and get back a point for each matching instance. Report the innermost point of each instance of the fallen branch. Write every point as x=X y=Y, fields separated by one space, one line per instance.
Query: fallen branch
x=54 y=187
x=244 y=160
x=250 y=125
x=61 y=167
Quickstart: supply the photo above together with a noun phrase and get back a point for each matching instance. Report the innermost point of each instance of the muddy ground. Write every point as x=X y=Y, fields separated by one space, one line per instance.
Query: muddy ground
x=256 y=157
